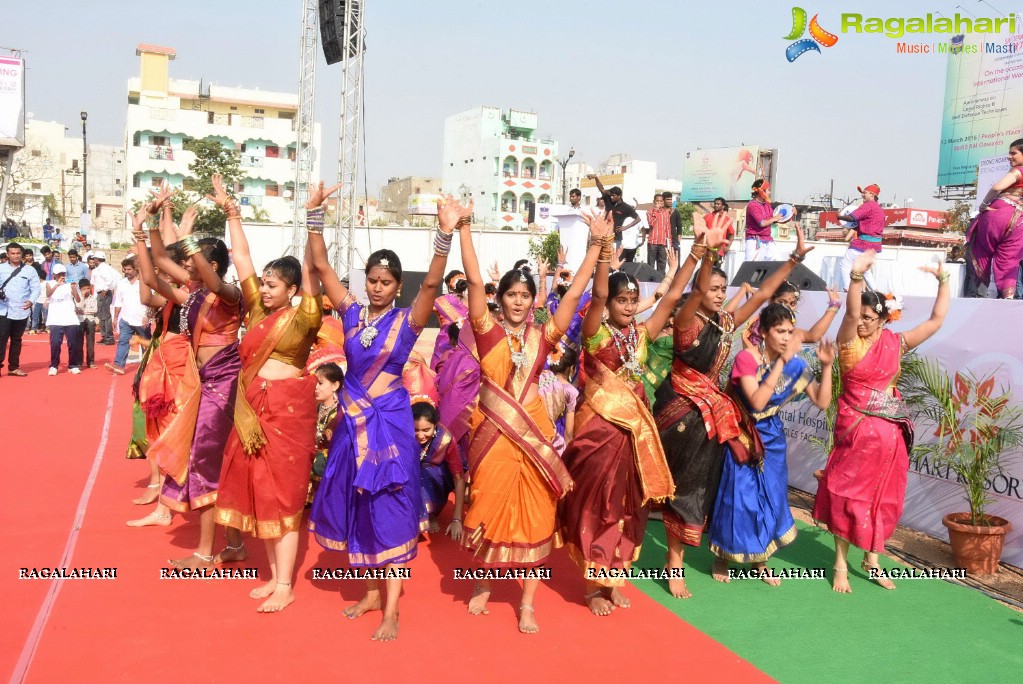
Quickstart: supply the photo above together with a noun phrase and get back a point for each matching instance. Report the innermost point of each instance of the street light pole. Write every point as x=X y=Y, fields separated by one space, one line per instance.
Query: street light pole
x=564 y=181
x=85 y=167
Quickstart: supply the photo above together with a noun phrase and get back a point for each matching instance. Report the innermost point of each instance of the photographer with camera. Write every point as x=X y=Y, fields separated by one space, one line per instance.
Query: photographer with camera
x=19 y=288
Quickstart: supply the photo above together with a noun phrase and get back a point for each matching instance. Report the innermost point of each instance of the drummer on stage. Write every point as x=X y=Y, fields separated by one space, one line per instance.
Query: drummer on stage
x=868 y=222
x=759 y=219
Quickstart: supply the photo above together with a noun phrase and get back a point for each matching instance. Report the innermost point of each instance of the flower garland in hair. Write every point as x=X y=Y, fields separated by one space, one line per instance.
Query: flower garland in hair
x=554 y=358
x=893 y=303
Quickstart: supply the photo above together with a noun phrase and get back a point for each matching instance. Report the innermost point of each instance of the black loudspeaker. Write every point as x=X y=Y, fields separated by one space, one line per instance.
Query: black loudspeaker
x=754 y=273
x=332 y=28
x=642 y=272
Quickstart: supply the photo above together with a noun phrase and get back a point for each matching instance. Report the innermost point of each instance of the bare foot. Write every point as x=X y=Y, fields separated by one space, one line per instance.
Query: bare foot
x=151 y=494
x=527 y=620
x=388 y=629
x=193 y=562
x=596 y=602
x=766 y=576
x=882 y=581
x=232 y=554
x=154 y=518
x=434 y=528
x=677 y=585
x=263 y=590
x=841 y=581
x=478 y=602
x=281 y=597
x=618 y=598
x=720 y=570
x=371 y=601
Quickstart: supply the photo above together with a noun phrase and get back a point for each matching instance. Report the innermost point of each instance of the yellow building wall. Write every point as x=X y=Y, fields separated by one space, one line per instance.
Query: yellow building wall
x=155 y=72
x=241 y=109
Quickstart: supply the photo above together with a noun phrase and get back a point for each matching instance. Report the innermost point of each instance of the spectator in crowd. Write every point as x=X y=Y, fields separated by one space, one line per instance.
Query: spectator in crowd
x=676 y=219
x=62 y=321
x=104 y=280
x=37 y=318
x=48 y=261
x=47 y=231
x=130 y=314
x=10 y=230
x=658 y=234
x=20 y=285
x=87 y=321
x=3 y=257
x=24 y=230
x=76 y=270
x=619 y=210
x=58 y=238
x=719 y=218
x=575 y=198
x=78 y=242
x=759 y=219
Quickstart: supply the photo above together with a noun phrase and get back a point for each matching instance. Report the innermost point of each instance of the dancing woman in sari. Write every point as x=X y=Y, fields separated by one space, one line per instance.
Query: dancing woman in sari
x=861 y=494
x=751 y=517
x=517 y=476
x=451 y=309
x=370 y=501
x=695 y=418
x=616 y=460
x=458 y=382
x=995 y=238
x=269 y=454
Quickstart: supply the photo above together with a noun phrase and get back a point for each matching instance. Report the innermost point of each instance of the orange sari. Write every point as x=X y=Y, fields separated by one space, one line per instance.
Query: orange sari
x=517 y=476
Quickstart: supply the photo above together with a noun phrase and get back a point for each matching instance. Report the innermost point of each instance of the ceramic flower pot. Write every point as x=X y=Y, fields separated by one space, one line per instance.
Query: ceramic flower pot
x=976 y=547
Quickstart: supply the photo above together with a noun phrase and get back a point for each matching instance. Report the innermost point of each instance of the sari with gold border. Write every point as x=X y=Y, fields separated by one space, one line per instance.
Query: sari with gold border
x=517 y=476
x=616 y=462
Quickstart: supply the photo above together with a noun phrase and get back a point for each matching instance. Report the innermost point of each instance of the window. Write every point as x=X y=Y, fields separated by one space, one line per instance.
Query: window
x=273 y=151
x=74 y=164
x=37 y=153
x=260 y=111
x=37 y=186
x=159 y=140
x=234 y=109
x=242 y=148
x=273 y=190
x=156 y=181
x=135 y=181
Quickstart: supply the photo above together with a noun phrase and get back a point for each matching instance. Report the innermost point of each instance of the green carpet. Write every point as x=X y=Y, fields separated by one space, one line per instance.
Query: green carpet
x=926 y=630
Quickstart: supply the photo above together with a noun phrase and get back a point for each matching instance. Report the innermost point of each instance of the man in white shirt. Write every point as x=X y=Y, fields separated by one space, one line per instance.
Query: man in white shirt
x=130 y=314
x=104 y=279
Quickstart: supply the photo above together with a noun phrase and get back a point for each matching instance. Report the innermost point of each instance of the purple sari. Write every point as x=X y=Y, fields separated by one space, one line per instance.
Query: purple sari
x=459 y=386
x=449 y=309
x=369 y=501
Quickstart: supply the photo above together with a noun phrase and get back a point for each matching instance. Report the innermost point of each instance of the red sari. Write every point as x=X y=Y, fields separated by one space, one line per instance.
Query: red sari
x=617 y=463
x=861 y=495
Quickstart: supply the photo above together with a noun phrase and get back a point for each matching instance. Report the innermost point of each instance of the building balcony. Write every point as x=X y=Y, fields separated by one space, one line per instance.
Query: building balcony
x=164 y=152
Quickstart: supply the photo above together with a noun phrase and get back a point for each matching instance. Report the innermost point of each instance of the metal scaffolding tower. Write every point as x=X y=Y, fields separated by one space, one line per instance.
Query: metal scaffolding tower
x=350 y=136
x=304 y=124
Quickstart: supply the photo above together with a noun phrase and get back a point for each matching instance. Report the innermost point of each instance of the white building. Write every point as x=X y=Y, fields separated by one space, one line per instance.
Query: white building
x=638 y=180
x=46 y=177
x=497 y=158
x=164 y=113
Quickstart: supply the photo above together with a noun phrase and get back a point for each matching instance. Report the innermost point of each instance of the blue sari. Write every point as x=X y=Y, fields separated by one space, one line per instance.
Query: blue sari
x=751 y=517
x=369 y=501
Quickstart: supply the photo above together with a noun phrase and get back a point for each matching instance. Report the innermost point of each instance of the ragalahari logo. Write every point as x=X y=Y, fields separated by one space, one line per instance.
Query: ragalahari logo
x=818 y=36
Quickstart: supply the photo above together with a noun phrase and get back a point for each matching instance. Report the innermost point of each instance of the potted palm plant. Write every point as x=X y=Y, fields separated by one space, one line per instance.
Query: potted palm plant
x=975 y=425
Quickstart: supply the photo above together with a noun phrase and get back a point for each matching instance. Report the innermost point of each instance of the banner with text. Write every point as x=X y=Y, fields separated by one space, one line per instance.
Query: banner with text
x=12 y=102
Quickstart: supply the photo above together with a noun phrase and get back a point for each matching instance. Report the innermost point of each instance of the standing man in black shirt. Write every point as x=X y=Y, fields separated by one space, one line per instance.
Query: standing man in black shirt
x=619 y=209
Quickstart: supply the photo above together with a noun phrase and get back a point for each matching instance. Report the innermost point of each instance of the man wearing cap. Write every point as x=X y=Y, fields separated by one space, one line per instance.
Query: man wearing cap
x=867 y=234
x=104 y=280
x=20 y=284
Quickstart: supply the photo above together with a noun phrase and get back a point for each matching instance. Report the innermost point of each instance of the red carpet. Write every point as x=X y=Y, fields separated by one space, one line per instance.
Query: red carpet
x=138 y=626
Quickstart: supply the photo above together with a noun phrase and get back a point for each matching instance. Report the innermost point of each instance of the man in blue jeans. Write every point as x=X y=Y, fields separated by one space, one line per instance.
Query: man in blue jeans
x=20 y=285
x=130 y=314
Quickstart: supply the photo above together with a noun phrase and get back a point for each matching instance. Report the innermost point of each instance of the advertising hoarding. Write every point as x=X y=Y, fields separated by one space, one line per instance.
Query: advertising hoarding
x=725 y=172
x=12 y=102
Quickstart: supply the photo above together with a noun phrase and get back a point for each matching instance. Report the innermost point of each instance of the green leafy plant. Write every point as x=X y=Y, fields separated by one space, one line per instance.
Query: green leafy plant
x=975 y=424
x=546 y=248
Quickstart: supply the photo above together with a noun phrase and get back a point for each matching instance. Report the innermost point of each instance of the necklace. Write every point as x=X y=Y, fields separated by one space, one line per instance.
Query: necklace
x=369 y=330
x=709 y=320
x=186 y=309
x=626 y=345
x=425 y=449
x=518 y=357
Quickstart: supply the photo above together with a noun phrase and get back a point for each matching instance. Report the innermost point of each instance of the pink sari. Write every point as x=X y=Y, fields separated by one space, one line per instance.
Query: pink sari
x=861 y=495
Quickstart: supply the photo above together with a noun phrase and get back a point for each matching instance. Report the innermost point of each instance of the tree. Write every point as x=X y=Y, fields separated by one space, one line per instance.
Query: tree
x=957 y=219
x=685 y=213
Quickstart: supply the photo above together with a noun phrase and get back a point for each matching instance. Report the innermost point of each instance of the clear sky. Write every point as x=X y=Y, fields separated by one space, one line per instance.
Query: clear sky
x=652 y=79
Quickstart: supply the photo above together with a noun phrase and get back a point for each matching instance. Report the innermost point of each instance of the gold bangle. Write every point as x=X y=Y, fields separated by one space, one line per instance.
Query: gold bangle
x=943 y=278
x=855 y=276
